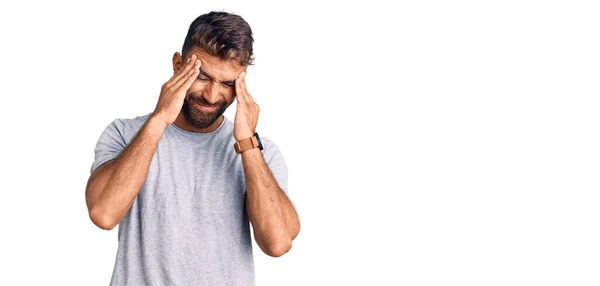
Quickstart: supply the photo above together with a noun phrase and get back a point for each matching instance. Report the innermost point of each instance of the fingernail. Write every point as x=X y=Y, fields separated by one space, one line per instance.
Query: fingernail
x=188 y=59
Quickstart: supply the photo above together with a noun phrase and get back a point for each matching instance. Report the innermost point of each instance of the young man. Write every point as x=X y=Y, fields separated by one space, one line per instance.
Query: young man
x=183 y=182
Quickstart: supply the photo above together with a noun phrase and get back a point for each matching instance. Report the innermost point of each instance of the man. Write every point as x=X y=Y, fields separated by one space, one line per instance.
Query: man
x=183 y=182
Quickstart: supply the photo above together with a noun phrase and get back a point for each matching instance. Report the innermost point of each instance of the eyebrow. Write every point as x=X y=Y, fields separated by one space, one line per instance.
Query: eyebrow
x=208 y=76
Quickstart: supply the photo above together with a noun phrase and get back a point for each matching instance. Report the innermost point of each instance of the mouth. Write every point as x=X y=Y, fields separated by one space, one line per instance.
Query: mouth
x=207 y=108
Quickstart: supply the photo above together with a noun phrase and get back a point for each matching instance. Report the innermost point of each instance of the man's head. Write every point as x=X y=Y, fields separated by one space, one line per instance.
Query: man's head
x=223 y=43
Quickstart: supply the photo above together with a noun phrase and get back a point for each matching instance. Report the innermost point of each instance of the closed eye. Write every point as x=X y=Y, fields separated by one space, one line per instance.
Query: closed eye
x=205 y=77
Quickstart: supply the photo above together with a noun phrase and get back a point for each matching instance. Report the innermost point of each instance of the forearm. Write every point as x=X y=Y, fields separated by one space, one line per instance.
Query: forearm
x=270 y=211
x=114 y=189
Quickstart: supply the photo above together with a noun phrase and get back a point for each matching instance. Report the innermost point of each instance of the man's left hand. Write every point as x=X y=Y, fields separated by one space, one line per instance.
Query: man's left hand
x=246 y=116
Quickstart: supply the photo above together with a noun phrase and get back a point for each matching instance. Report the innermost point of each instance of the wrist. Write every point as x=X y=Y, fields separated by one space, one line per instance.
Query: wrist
x=251 y=142
x=156 y=123
x=245 y=136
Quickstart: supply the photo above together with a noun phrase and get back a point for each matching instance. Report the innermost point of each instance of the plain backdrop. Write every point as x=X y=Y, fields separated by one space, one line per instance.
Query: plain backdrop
x=428 y=142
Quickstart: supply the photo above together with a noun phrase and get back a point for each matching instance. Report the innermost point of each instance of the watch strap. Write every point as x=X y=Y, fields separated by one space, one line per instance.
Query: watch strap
x=245 y=144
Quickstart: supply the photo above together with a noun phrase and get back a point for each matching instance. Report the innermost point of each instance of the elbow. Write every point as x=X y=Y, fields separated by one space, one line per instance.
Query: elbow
x=281 y=245
x=101 y=219
x=295 y=230
x=278 y=249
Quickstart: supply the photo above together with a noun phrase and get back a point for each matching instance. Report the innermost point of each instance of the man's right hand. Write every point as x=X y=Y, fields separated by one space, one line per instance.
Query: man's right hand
x=173 y=92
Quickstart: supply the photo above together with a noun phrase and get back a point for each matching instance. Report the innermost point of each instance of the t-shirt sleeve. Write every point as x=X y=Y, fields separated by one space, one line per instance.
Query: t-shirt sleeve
x=276 y=163
x=110 y=144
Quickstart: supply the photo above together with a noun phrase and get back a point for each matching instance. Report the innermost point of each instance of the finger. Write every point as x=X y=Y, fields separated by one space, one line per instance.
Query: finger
x=243 y=80
x=249 y=97
x=185 y=69
x=187 y=83
x=192 y=72
x=240 y=93
x=190 y=62
x=177 y=74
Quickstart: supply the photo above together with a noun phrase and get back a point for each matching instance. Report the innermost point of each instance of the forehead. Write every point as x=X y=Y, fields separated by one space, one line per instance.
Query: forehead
x=217 y=68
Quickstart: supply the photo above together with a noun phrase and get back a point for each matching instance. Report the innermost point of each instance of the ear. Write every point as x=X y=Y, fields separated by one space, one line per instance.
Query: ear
x=177 y=62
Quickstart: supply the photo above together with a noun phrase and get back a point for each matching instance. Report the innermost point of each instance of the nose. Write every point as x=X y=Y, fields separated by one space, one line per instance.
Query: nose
x=211 y=92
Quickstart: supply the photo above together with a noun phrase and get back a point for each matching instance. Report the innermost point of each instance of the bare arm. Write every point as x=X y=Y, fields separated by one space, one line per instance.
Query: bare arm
x=271 y=213
x=113 y=187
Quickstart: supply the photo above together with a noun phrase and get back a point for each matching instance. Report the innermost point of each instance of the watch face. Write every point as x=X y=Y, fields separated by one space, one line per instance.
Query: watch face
x=260 y=146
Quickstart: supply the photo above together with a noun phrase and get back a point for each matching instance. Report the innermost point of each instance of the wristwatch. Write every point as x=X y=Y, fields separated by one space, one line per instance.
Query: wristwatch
x=248 y=143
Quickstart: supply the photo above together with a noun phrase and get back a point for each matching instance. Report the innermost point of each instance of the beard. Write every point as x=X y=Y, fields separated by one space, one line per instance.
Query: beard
x=197 y=117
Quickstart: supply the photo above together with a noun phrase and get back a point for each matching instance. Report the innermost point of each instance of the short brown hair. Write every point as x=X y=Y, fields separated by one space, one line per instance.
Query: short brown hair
x=221 y=34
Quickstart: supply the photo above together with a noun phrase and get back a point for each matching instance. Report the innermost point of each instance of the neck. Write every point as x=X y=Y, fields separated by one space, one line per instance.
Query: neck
x=183 y=124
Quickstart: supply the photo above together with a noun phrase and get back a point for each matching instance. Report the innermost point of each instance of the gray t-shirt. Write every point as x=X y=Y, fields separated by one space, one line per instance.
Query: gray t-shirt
x=188 y=225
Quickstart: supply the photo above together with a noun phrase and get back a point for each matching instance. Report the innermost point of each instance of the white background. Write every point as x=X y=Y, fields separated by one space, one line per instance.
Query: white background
x=428 y=143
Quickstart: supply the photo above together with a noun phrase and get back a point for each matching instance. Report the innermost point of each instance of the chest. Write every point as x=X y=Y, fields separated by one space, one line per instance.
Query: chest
x=194 y=179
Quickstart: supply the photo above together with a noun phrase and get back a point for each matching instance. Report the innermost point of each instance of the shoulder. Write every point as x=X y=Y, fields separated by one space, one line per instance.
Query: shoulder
x=127 y=127
x=270 y=148
x=267 y=142
x=132 y=123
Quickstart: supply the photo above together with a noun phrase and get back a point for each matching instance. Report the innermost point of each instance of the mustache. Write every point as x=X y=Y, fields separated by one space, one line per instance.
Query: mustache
x=201 y=100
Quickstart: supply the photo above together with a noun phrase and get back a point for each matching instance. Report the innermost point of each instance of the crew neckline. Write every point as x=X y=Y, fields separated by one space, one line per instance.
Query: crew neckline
x=200 y=133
